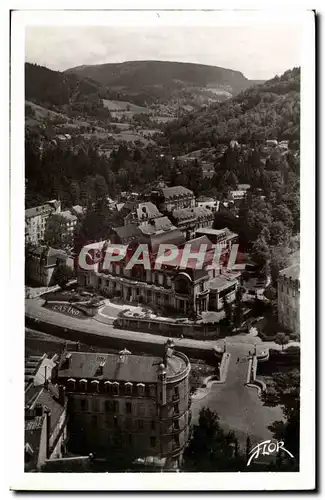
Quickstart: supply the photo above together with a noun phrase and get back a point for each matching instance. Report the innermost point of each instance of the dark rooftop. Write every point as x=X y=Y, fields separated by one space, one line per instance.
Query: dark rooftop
x=292 y=272
x=174 y=191
x=221 y=283
x=127 y=367
x=128 y=232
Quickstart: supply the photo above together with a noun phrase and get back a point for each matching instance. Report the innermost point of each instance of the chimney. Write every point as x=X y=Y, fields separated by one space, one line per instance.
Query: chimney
x=67 y=361
x=38 y=410
x=48 y=431
x=169 y=348
x=100 y=369
x=46 y=382
x=123 y=355
x=62 y=395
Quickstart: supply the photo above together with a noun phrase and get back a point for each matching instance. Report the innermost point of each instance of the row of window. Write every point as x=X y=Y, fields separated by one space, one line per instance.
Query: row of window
x=115 y=407
x=155 y=278
x=126 y=423
x=112 y=388
x=291 y=291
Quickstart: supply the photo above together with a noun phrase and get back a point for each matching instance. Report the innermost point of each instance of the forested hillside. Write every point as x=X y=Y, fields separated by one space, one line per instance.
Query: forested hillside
x=146 y=82
x=267 y=111
x=63 y=92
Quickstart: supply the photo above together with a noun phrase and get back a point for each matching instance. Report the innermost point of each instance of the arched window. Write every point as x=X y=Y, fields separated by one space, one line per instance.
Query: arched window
x=83 y=385
x=152 y=390
x=95 y=385
x=71 y=384
x=128 y=388
x=115 y=388
x=108 y=387
x=141 y=389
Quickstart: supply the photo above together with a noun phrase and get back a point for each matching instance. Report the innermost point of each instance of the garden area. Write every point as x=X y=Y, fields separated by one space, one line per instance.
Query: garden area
x=279 y=362
x=199 y=371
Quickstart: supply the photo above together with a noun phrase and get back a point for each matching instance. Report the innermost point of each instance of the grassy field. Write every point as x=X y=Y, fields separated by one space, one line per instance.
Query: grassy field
x=124 y=107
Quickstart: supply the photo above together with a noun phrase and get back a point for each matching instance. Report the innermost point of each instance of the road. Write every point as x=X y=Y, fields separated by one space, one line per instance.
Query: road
x=34 y=309
x=238 y=406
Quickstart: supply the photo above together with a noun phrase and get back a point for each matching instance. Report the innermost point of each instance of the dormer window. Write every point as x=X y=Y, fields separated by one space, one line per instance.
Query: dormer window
x=95 y=385
x=128 y=388
x=71 y=384
x=141 y=389
x=83 y=385
x=152 y=390
x=108 y=386
x=115 y=388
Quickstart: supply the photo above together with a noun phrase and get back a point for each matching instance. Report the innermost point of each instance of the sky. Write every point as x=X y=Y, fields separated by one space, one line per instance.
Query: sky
x=259 y=52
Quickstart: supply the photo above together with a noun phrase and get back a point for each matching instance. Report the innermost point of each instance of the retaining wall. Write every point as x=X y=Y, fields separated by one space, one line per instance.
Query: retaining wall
x=136 y=344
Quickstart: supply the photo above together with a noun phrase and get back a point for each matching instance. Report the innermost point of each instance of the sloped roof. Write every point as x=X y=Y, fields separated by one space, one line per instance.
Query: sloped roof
x=128 y=232
x=202 y=212
x=47 y=208
x=174 y=237
x=46 y=398
x=197 y=242
x=78 y=209
x=292 y=272
x=203 y=198
x=156 y=225
x=130 y=367
x=221 y=283
x=147 y=210
x=184 y=214
x=66 y=214
x=176 y=191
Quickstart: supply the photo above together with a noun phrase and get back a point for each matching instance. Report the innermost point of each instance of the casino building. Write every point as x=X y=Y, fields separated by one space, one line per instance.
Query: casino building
x=143 y=399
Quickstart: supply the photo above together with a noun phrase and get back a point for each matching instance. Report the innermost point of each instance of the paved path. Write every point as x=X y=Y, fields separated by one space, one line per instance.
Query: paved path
x=238 y=406
x=34 y=309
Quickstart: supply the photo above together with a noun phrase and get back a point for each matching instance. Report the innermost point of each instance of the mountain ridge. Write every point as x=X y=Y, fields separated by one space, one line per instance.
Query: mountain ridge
x=157 y=78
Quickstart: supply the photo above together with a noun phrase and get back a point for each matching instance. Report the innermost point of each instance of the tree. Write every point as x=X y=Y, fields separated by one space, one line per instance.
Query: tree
x=285 y=392
x=210 y=448
x=56 y=234
x=96 y=224
x=227 y=307
x=62 y=275
x=261 y=253
x=281 y=339
x=100 y=186
x=280 y=259
x=238 y=312
x=279 y=233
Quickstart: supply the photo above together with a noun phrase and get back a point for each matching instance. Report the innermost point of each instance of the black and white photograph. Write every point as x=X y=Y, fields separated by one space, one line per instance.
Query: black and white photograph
x=166 y=169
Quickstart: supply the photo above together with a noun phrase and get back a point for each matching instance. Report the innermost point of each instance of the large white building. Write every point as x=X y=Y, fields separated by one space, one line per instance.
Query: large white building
x=289 y=298
x=145 y=399
x=36 y=218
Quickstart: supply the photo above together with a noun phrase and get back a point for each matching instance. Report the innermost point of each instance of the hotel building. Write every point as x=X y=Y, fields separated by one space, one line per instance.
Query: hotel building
x=36 y=218
x=144 y=399
x=289 y=298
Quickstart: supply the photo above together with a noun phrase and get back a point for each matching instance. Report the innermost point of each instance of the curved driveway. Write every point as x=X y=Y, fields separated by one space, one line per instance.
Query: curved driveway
x=239 y=407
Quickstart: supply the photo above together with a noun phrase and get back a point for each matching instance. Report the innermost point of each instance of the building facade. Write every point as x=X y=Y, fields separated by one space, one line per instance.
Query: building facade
x=45 y=425
x=184 y=288
x=143 y=399
x=172 y=198
x=188 y=220
x=41 y=262
x=289 y=298
x=36 y=218
x=70 y=220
